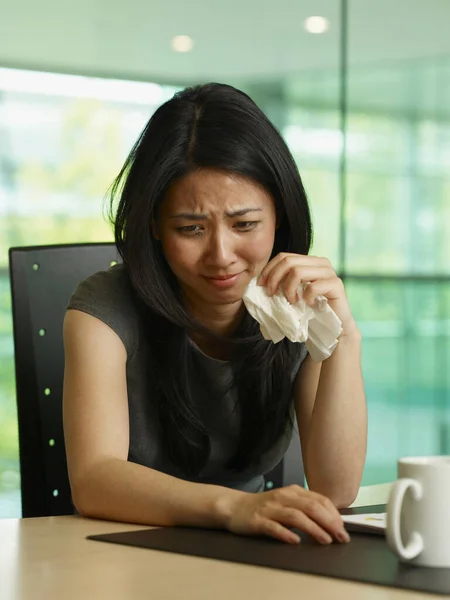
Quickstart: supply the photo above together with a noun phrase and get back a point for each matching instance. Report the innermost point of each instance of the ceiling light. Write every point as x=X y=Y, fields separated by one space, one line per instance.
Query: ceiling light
x=182 y=43
x=316 y=24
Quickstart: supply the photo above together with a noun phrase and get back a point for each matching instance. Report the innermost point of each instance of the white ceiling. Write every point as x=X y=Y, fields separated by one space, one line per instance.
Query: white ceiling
x=234 y=39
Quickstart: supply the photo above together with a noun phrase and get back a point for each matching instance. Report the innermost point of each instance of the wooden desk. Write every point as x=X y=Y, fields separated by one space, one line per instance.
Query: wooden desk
x=50 y=559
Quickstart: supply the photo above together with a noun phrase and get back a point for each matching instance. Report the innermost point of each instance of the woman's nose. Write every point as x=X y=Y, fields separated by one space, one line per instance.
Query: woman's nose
x=220 y=251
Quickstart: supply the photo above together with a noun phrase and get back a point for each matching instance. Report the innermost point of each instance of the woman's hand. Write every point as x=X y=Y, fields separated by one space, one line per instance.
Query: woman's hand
x=291 y=270
x=273 y=513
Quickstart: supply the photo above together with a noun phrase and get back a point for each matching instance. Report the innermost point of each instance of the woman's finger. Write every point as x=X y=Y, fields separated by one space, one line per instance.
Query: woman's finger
x=314 y=506
x=292 y=280
x=300 y=259
x=274 y=529
x=327 y=520
x=297 y=273
x=331 y=287
x=281 y=261
x=333 y=516
x=291 y=517
x=330 y=507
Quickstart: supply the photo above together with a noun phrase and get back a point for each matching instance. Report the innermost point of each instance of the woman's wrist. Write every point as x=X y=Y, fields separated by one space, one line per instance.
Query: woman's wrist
x=224 y=505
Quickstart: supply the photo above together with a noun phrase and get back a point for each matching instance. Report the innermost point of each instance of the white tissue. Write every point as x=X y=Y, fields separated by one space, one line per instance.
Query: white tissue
x=319 y=327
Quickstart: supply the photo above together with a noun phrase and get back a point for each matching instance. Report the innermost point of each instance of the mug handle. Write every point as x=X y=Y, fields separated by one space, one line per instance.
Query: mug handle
x=394 y=509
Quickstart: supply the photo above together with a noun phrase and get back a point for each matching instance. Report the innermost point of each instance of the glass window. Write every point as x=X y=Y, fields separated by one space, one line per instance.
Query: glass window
x=406 y=351
x=64 y=138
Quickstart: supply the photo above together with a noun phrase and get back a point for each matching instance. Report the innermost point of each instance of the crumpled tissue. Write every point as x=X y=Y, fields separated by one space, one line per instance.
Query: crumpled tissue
x=319 y=326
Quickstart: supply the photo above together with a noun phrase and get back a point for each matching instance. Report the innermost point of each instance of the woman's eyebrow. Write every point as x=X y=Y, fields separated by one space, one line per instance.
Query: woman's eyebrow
x=201 y=216
x=242 y=212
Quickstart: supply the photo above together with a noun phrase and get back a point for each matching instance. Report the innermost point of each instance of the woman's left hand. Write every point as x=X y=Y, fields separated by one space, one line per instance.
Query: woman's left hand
x=289 y=271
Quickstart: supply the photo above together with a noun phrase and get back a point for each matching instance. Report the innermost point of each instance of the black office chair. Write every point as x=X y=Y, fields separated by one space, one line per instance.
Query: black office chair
x=290 y=470
x=42 y=280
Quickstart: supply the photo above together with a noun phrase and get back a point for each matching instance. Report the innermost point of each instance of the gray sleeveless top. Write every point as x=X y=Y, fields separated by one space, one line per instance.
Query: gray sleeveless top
x=107 y=296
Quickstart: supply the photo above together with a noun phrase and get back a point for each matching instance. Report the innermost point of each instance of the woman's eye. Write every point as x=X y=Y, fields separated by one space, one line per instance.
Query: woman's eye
x=190 y=229
x=246 y=225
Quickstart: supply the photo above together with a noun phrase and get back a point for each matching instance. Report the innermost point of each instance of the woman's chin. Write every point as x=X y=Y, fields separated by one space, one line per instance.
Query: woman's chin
x=230 y=297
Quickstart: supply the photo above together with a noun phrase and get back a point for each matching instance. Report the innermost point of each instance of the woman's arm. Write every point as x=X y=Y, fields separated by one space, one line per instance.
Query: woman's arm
x=96 y=428
x=330 y=400
x=332 y=421
x=106 y=486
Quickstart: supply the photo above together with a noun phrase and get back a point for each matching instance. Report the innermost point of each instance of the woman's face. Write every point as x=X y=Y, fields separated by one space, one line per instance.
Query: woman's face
x=217 y=232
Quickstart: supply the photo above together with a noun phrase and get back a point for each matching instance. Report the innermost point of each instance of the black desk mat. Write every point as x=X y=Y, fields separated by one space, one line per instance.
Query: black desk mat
x=366 y=559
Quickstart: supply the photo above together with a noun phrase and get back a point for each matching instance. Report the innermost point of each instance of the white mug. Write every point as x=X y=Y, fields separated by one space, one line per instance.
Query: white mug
x=418 y=511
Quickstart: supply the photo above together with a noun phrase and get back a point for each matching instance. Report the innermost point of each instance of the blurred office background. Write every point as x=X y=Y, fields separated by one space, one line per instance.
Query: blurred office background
x=362 y=97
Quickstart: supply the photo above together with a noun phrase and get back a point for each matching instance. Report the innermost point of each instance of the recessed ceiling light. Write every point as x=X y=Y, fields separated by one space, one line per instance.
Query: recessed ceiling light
x=316 y=24
x=182 y=43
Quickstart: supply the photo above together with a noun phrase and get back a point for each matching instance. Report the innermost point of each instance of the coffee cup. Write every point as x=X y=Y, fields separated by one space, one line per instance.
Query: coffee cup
x=418 y=511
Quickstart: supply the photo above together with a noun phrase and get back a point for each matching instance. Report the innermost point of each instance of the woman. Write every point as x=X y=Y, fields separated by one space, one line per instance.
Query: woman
x=174 y=405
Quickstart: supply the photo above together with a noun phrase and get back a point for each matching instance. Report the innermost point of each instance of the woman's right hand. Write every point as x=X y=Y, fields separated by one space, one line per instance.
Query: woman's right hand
x=273 y=513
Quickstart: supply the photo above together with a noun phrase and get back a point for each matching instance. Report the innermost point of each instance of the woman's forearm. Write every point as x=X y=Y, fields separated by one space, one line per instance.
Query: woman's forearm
x=337 y=440
x=118 y=490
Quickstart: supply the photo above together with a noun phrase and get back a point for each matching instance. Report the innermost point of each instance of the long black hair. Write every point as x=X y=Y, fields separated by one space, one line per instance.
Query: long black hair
x=209 y=126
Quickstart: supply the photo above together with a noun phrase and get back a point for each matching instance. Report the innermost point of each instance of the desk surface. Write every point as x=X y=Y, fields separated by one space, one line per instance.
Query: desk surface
x=50 y=558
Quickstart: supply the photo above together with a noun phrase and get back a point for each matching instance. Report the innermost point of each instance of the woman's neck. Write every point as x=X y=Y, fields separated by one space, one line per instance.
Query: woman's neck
x=221 y=320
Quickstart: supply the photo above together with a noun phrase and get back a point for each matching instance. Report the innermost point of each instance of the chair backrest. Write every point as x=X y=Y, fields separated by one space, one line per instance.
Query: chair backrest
x=43 y=279
x=290 y=469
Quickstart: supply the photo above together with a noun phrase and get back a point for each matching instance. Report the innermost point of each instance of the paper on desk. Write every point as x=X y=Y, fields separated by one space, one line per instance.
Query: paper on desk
x=318 y=327
x=366 y=523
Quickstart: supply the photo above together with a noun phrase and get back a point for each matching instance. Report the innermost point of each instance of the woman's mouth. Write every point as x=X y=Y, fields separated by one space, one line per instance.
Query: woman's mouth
x=223 y=281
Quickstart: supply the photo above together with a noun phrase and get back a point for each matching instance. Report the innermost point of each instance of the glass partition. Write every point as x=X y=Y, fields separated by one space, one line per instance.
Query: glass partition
x=375 y=75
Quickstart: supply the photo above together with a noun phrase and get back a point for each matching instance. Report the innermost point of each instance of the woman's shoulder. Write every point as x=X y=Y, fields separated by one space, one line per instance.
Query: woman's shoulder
x=113 y=284
x=108 y=296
